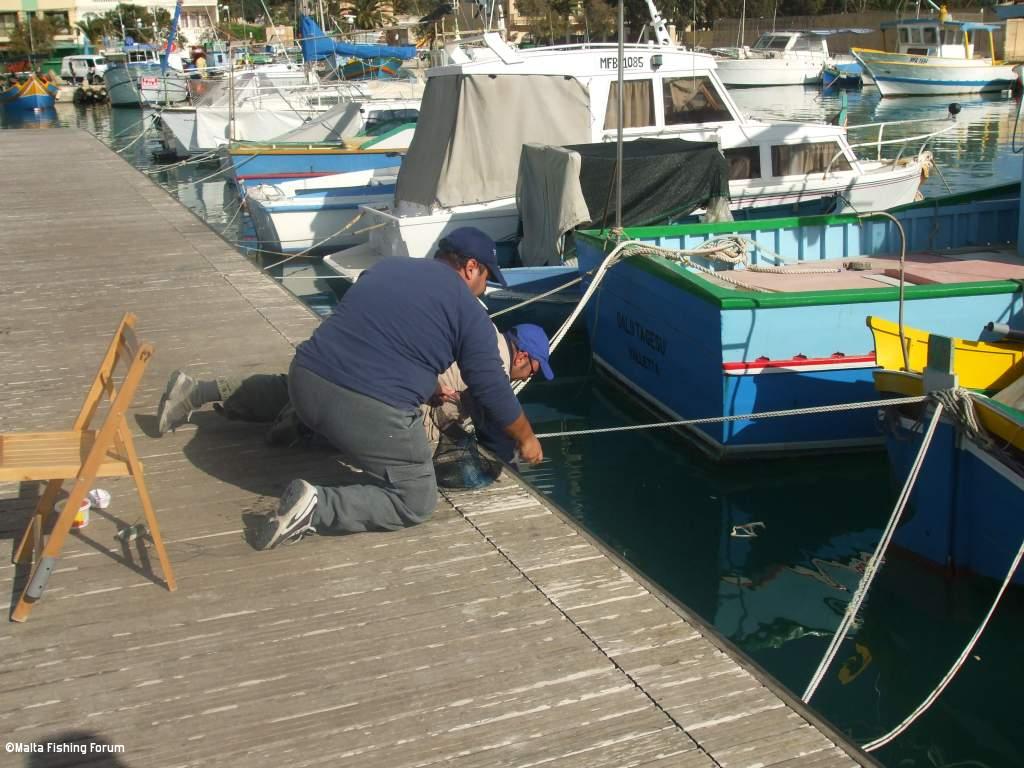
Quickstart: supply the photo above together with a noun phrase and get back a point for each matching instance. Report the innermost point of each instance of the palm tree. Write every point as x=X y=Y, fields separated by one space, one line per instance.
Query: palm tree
x=368 y=14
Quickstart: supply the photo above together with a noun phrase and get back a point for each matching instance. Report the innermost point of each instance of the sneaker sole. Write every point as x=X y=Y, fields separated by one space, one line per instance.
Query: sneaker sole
x=173 y=390
x=282 y=533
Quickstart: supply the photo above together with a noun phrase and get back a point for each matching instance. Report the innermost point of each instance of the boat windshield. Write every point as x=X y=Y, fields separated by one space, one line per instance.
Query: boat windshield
x=771 y=43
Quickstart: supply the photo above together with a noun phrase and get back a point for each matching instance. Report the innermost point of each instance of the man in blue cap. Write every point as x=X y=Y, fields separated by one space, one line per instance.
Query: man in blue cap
x=360 y=379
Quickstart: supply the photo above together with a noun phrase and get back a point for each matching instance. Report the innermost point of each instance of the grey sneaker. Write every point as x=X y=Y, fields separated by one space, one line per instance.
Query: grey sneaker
x=293 y=519
x=176 y=402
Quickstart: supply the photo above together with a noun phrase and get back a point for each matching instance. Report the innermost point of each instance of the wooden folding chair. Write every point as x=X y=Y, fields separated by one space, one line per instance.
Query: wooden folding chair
x=83 y=455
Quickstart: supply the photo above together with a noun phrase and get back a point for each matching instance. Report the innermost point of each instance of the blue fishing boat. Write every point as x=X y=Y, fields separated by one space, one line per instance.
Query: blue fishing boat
x=30 y=94
x=842 y=76
x=729 y=319
x=967 y=500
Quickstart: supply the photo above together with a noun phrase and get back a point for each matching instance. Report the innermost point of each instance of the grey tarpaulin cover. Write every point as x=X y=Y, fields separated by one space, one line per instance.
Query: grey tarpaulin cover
x=662 y=179
x=472 y=127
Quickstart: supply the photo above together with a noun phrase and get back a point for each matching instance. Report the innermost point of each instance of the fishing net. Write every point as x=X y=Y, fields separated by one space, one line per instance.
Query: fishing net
x=460 y=464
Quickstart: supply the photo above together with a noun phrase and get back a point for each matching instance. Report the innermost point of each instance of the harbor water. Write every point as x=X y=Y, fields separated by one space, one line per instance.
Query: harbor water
x=768 y=552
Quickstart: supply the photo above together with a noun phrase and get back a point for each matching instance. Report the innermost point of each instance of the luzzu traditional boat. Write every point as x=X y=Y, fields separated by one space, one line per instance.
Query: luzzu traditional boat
x=969 y=493
x=30 y=94
x=935 y=57
x=699 y=334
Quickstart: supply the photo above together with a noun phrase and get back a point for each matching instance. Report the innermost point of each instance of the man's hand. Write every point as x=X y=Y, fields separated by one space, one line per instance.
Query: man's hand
x=443 y=395
x=527 y=443
x=530 y=450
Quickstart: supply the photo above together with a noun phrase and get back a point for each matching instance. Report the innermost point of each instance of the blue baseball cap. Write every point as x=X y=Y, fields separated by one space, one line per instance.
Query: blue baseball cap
x=533 y=341
x=474 y=244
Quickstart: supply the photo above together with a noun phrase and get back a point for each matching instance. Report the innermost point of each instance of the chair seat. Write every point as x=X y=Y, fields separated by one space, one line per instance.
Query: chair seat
x=48 y=455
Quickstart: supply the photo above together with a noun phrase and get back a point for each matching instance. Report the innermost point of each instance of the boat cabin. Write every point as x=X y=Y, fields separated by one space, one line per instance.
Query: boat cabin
x=778 y=44
x=481 y=107
x=944 y=39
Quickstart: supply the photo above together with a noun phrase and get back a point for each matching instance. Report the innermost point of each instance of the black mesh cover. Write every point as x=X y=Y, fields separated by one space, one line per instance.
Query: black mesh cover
x=662 y=179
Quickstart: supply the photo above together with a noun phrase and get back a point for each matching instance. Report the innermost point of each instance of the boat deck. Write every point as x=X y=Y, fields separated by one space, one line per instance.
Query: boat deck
x=938 y=267
x=497 y=634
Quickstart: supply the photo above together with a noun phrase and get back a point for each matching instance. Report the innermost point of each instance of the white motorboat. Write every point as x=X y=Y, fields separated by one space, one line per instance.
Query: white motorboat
x=777 y=58
x=316 y=215
x=935 y=57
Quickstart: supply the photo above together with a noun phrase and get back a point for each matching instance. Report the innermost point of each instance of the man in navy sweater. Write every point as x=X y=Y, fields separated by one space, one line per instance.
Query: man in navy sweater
x=361 y=378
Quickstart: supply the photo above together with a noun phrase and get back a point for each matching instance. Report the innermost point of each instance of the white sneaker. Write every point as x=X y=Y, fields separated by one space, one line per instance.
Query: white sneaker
x=293 y=519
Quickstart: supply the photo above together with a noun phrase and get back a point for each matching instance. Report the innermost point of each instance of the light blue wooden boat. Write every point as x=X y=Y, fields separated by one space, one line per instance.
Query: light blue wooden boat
x=732 y=341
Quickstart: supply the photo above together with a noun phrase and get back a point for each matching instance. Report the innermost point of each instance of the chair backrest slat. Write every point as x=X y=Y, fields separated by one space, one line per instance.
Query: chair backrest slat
x=124 y=345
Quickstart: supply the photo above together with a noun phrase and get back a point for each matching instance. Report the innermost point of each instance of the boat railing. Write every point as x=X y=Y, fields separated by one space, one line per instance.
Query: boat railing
x=881 y=141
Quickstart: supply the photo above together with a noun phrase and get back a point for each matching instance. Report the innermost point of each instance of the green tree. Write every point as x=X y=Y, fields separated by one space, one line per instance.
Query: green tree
x=368 y=14
x=31 y=38
x=601 y=19
x=95 y=28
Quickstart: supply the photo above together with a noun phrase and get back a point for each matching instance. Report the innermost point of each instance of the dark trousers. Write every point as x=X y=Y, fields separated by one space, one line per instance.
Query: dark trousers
x=388 y=444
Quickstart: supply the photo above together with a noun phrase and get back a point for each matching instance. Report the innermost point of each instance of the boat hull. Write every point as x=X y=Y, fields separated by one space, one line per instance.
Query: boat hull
x=966 y=505
x=755 y=73
x=695 y=351
x=32 y=95
x=904 y=75
x=313 y=224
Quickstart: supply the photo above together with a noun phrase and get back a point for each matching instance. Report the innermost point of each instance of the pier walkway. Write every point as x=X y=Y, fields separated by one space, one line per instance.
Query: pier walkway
x=497 y=634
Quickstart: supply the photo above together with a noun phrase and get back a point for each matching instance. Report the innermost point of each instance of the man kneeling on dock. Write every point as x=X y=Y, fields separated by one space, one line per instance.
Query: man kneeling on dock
x=361 y=379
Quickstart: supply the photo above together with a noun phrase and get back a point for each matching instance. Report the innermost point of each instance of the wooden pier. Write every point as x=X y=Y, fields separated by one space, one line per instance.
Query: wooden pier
x=497 y=634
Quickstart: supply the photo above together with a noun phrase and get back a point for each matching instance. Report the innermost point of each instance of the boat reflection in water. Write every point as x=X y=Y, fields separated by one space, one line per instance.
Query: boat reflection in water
x=45 y=117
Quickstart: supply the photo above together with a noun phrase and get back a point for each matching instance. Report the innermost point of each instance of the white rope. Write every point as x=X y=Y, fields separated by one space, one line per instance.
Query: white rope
x=948 y=678
x=836 y=408
x=609 y=261
x=145 y=130
x=874 y=563
x=538 y=297
x=197 y=160
x=354 y=219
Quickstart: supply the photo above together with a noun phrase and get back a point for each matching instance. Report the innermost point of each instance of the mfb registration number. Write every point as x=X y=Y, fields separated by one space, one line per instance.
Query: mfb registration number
x=628 y=62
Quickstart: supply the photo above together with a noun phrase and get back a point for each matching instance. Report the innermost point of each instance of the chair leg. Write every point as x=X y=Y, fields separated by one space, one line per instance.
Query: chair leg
x=47 y=560
x=31 y=545
x=154 y=527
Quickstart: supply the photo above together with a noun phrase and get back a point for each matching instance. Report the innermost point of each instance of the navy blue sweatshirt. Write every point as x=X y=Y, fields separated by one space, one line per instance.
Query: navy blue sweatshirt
x=403 y=323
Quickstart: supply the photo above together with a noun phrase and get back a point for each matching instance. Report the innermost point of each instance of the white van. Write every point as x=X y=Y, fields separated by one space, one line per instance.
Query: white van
x=87 y=67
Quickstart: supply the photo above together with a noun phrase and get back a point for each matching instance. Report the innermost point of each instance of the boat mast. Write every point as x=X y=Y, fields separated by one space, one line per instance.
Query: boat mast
x=658 y=24
x=621 y=111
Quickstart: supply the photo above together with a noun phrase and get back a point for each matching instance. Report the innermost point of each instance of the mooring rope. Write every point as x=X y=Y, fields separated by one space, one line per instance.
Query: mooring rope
x=538 y=297
x=874 y=563
x=923 y=707
x=354 y=219
x=836 y=408
x=142 y=133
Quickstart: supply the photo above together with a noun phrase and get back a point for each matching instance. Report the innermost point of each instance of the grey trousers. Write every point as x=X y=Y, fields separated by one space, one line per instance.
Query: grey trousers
x=388 y=444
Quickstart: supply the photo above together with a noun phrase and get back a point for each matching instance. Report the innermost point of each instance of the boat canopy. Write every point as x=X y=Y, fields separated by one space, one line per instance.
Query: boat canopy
x=471 y=129
x=966 y=26
x=316 y=45
x=561 y=188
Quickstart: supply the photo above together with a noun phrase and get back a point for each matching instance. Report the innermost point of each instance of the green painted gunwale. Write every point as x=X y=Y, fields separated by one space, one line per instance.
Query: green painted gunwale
x=739 y=299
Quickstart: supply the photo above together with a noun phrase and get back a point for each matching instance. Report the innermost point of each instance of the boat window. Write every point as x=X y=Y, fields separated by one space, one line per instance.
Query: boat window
x=931 y=36
x=915 y=34
x=904 y=35
x=807 y=43
x=801 y=159
x=692 y=100
x=772 y=43
x=744 y=162
x=637 y=108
